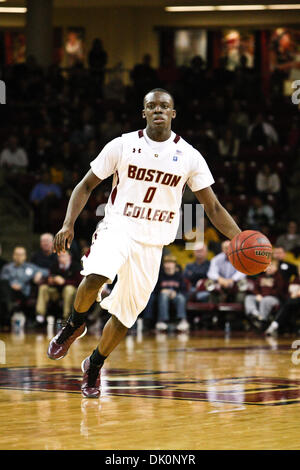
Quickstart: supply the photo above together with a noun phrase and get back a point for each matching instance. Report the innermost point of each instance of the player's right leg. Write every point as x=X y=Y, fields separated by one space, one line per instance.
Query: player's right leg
x=76 y=326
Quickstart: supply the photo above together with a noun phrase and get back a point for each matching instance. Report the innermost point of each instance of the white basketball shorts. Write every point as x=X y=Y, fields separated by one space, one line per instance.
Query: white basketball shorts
x=112 y=253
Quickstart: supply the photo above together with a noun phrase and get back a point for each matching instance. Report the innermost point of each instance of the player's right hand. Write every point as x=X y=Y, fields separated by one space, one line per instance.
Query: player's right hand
x=62 y=238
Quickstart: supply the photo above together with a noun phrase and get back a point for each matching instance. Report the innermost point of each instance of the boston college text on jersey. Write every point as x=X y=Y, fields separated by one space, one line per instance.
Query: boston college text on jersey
x=148 y=183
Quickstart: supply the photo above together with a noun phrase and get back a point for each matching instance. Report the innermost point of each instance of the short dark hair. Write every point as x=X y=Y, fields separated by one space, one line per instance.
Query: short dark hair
x=161 y=90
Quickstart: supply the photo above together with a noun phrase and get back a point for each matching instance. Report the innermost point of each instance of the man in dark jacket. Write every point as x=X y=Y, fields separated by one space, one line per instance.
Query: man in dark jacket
x=62 y=283
x=45 y=257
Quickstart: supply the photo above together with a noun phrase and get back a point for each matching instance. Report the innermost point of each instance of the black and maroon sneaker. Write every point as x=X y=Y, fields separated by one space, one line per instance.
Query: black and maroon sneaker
x=59 y=345
x=91 y=380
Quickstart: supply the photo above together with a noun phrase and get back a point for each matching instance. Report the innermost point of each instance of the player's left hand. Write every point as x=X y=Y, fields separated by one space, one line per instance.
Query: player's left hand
x=62 y=238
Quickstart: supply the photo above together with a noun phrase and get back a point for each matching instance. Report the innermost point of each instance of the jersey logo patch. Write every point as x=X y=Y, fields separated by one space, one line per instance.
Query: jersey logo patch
x=134 y=150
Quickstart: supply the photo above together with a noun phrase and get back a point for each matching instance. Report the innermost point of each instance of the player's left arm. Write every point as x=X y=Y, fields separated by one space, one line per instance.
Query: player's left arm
x=216 y=213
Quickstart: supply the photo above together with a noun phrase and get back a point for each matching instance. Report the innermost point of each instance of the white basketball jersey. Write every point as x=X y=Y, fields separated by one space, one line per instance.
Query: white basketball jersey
x=148 y=183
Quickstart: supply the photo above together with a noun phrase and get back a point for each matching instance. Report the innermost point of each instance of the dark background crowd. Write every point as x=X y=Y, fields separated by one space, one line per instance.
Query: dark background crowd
x=58 y=121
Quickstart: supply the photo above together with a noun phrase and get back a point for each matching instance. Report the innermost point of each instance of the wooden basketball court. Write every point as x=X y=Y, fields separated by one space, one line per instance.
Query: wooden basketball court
x=159 y=392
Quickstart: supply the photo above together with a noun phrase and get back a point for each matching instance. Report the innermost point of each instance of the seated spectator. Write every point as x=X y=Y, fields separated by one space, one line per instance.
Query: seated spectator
x=62 y=283
x=259 y=213
x=286 y=269
x=170 y=289
x=267 y=182
x=196 y=271
x=290 y=240
x=15 y=281
x=224 y=278
x=12 y=156
x=44 y=197
x=289 y=307
x=268 y=290
x=262 y=133
x=45 y=257
x=228 y=144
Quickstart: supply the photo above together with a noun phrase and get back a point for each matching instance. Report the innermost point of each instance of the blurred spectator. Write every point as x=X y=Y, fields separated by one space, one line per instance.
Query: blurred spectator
x=12 y=156
x=109 y=128
x=197 y=270
x=241 y=180
x=62 y=283
x=259 y=213
x=97 y=59
x=286 y=269
x=41 y=157
x=224 y=278
x=44 y=197
x=143 y=76
x=268 y=232
x=267 y=294
x=168 y=73
x=290 y=240
x=196 y=75
x=171 y=291
x=16 y=279
x=26 y=138
x=228 y=144
x=115 y=89
x=262 y=133
x=207 y=143
x=45 y=257
x=267 y=182
x=238 y=120
x=294 y=134
x=57 y=172
x=74 y=50
x=289 y=308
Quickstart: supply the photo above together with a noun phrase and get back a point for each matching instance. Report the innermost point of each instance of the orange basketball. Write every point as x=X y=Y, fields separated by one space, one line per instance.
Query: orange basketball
x=250 y=252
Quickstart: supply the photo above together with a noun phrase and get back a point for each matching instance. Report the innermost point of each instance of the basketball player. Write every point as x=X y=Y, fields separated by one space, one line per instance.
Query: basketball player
x=151 y=168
